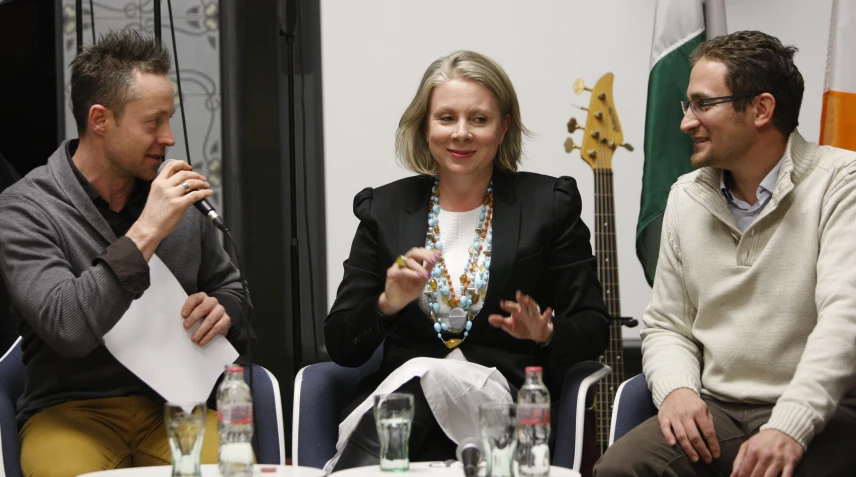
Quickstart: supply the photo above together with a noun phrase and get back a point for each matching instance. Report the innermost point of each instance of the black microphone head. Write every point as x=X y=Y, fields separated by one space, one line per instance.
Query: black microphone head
x=469 y=443
x=469 y=454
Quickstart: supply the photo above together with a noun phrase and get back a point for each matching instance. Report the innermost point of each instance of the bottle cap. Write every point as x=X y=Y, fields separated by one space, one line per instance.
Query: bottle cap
x=234 y=368
x=534 y=369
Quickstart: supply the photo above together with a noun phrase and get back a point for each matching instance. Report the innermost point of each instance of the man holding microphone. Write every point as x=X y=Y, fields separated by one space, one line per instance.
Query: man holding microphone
x=76 y=236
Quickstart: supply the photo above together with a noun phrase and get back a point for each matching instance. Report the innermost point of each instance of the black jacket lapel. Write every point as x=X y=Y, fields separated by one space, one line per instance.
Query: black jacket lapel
x=506 y=232
x=413 y=217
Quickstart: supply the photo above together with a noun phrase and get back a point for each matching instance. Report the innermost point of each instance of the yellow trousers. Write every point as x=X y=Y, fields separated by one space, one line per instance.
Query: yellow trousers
x=77 y=437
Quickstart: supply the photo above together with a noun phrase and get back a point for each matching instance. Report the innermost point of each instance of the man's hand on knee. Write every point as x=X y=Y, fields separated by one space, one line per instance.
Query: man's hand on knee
x=766 y=453
x=685 y=419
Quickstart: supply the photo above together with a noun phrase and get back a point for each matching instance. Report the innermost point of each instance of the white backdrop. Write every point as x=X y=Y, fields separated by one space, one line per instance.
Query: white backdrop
x=375 y=51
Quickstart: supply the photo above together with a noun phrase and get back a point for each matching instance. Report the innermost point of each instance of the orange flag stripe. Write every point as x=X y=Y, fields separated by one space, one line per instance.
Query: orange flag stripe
x=838 y=120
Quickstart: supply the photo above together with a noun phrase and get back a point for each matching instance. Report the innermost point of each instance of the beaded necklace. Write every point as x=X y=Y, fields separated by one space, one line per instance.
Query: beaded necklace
x=474 y=279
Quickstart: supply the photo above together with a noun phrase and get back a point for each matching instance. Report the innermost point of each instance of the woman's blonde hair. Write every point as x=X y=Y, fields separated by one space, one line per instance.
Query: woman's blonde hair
x=411 y=143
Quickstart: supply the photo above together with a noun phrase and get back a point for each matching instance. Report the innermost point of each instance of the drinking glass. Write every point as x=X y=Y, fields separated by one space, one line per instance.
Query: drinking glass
x=498 y=425
x=185 y=427
x=393 y=415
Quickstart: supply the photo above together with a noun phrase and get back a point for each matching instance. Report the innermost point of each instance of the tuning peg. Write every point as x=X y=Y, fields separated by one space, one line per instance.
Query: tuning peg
x=570 y=145
x=627 y=146
x=573 y=125
x=579 y=86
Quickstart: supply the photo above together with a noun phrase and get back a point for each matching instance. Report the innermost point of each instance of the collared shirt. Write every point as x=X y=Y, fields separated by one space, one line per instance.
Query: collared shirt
x=122 y=256
x=744 y=213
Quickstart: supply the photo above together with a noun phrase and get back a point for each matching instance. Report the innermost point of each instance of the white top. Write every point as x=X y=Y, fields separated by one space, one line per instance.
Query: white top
x=457 y=231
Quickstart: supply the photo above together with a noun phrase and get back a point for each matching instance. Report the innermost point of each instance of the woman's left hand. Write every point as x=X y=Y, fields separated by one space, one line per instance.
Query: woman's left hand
x=526 y=322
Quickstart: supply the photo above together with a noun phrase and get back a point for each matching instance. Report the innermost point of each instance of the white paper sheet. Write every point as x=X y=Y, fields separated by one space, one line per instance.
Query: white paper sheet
x=453 y=387
x=150 y=340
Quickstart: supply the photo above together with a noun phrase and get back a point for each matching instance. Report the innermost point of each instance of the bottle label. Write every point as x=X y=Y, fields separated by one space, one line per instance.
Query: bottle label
x=533 y=415
x=235 y=414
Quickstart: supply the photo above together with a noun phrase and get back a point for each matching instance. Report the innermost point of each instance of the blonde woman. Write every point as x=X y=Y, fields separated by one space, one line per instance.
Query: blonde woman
x=469 y=266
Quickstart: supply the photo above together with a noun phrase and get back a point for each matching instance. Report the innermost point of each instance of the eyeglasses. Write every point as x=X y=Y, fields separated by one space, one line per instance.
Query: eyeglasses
x=702 y=105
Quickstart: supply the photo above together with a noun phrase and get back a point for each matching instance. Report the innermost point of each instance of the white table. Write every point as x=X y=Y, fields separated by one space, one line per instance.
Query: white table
x=433 y=469
x=210 y=470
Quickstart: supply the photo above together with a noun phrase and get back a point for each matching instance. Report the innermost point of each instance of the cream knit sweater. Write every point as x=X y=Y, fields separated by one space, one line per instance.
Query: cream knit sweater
x=767 y=316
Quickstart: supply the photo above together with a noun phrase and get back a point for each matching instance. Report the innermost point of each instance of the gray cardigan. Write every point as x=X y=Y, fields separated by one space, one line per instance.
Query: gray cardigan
x=51 y=234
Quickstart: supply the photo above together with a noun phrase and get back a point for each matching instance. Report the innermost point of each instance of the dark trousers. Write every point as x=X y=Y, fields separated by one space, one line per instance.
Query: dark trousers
x=428 y=442
x=645 y=452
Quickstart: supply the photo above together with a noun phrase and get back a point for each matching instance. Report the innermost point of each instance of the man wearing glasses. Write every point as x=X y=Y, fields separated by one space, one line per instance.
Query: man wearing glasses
x=750 y=341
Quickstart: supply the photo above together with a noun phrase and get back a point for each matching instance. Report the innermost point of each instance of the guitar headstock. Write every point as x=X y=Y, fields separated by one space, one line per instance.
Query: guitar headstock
x=602 y=132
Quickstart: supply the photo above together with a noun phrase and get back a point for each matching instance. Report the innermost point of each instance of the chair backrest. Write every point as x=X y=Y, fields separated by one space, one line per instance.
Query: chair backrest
x=321 y=392
x=11 y=388
x=633 y=405
x=578 y=391
x=270 y=444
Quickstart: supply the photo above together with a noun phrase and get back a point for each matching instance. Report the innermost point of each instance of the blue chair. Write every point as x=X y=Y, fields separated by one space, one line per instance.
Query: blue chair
x=268 y=408
x=321 y=392
x=632 y=406
x=11 y=387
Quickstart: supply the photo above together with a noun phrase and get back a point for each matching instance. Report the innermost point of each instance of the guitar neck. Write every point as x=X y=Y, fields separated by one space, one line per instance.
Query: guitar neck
x=607 y=271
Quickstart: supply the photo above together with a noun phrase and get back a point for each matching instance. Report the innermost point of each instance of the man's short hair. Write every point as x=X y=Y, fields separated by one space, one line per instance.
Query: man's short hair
x=759 y=63
x=104 y=73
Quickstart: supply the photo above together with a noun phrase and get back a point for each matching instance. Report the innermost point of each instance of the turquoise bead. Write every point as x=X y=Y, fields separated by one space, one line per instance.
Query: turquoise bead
x=479 y=283
x=487 y=263
x=445 y=291
x=436 y=272
x=466 y=333
x=437 y=327
x=482 y=215
x=439 y=336
x=464 y=302
x=436 y=307
x=429 y=246
x=469 y=325
x=436 y=209
x=439 y=245
x=445 y=327
x=489 y=238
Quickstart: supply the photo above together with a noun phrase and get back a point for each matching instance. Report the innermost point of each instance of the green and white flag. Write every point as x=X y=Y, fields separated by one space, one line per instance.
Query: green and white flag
x=679 y=26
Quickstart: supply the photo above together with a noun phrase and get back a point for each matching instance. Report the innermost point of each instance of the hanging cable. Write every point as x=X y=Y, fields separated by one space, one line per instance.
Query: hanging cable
x=92 y=19
x=177 y=77
x=78 y=24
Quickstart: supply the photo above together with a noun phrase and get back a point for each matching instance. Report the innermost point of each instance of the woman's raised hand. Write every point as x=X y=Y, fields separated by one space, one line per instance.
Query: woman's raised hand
x=526 y=322
x=406 y=279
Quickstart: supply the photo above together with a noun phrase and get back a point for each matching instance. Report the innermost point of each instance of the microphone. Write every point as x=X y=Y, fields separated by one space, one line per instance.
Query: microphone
x=202 y=205
x=469 y=453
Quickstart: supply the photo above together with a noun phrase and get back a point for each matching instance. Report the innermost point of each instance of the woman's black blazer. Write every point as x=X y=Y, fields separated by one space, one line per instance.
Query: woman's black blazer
x=540 y=247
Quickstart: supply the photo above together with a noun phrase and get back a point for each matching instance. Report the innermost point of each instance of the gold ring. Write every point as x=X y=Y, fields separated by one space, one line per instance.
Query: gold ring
x=401 y=261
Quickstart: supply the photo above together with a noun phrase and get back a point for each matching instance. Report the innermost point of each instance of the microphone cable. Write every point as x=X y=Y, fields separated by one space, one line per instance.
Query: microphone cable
x=247 y=308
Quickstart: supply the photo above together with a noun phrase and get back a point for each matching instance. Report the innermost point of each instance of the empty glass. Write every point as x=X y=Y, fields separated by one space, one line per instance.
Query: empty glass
x=393 y=415
x=498 y=424
x=185 y=427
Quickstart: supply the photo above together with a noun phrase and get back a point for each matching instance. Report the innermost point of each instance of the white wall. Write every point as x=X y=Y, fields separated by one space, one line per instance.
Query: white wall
x=375 y=51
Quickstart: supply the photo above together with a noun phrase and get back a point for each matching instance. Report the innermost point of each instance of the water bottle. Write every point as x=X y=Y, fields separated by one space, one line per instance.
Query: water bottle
x=533 y=430
x=235 y=424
